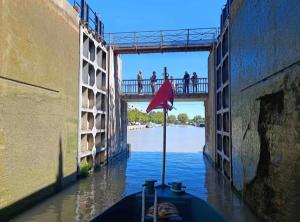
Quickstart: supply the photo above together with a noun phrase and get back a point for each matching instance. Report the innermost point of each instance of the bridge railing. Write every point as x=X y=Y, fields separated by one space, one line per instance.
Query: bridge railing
x=131 y=87
x=162 y=38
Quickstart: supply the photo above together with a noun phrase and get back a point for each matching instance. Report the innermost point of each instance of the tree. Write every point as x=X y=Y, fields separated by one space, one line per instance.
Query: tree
x=137 y=116
x=172 y=119
x=132 y=116
x=198 y=120
x=183 y=118
x=156 y=117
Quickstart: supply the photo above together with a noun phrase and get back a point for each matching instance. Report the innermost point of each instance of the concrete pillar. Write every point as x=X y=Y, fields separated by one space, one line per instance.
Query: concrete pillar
x=117 y=120
x=209 y=104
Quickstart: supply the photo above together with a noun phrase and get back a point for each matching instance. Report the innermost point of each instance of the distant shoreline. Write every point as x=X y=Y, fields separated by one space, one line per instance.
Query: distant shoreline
x=138 y=127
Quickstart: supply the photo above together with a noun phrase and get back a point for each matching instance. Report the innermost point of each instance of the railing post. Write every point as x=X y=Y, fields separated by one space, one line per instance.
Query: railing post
x=109 y=38
x=188 y=37
x=97 y=25
x=102 y=29
x=87 y=15
x=83 y=10
x=135 y=40
x=161 y=39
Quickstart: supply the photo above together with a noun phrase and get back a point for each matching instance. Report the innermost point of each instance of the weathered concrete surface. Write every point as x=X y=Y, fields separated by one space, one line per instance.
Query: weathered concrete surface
x=117 y=109
x=39 y=62
x=210 y=110
x=265 y=87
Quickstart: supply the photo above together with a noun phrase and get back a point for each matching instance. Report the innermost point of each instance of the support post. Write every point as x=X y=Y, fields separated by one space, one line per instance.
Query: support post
x=164 y=140
x=164 y=149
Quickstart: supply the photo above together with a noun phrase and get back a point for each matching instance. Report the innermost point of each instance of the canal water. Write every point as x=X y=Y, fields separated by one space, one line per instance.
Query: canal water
x=185 y=162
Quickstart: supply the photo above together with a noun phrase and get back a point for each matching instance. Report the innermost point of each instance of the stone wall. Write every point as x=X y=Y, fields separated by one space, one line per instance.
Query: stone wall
x=265 y=87
x=39 y=66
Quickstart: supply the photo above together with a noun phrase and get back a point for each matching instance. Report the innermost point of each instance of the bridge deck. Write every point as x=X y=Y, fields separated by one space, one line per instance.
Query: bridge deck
x=182 y=40
x=192 y=97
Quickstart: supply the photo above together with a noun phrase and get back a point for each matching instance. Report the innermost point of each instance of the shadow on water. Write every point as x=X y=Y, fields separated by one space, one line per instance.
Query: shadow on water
x=85 y=199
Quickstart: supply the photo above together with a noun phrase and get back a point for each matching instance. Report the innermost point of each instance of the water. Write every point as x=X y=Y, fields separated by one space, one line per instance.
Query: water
x=91 y=196
x=187 y=139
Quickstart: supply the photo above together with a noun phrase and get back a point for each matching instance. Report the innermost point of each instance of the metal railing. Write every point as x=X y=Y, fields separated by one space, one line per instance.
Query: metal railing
x=162 y=38
x=90 y=18
x=131 y=87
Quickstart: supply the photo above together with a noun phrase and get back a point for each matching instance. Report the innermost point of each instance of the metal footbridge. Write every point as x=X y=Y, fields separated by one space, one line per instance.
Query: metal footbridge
x=183 y=93
x=181 y=40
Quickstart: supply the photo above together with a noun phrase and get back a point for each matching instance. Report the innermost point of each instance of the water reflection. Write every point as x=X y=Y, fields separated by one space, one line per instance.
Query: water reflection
x=101 y=190
x=85 y=199
x=221 y=196
x=92 y=195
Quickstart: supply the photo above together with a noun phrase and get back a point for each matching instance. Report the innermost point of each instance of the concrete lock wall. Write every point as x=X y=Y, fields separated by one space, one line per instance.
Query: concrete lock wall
x=209 y=149
x=117 y=117
x=265 y=78
x=39 y=66
x=39 y=101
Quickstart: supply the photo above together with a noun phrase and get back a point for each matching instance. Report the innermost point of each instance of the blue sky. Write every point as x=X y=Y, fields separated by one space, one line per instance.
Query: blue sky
x=136 y=15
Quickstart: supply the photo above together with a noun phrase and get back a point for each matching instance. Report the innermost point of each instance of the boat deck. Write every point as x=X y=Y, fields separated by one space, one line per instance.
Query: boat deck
x=190 y=208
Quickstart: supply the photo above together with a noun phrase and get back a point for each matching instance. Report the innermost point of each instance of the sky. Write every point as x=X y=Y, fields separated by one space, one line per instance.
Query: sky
x=137 y=15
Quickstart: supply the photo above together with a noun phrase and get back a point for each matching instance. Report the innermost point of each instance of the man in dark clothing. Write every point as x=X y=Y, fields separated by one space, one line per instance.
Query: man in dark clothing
x=186 y=79
x=140 y=82
x=153 y=81
x=195 y=82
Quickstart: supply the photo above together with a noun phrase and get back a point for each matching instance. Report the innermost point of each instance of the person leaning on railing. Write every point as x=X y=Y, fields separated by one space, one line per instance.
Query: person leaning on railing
x=172 y=82
x=195 y=82
x=186 y=82
x=153 y=81
x=140 y=82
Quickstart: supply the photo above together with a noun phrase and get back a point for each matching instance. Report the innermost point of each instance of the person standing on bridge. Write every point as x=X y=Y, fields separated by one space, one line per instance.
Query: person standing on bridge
x=195 y=82
x=186 y=82
x=172 y=82
x=140 y=82
x=153 y=81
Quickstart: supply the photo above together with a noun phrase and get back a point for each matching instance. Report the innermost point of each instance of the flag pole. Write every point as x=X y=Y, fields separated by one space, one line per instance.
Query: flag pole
x=164 y=138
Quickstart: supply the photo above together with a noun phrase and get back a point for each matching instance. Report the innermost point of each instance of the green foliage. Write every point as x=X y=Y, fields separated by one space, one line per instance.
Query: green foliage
x=156 y=117
x=137 y=116
x=84 y=169
x=183 y=118
x=172 y=119
x=198 y=120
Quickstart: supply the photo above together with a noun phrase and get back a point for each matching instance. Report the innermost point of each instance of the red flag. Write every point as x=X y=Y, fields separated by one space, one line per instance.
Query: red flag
x=164 y=98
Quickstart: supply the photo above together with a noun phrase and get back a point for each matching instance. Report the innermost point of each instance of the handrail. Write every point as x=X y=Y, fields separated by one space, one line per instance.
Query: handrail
x=161 y=38
x=131 y=86
x=167 y=30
